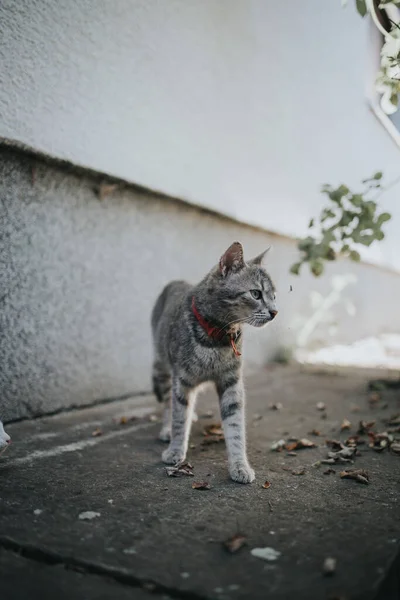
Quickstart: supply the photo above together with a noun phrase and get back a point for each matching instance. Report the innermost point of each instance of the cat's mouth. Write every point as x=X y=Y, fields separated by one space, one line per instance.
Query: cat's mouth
x=260 y=321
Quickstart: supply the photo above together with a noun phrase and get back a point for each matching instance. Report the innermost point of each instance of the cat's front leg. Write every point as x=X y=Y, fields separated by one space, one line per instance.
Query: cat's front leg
x=232 y=399
x=183 y=400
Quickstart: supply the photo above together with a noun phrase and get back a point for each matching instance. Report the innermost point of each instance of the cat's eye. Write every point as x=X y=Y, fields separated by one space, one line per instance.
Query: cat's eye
x=256 y=294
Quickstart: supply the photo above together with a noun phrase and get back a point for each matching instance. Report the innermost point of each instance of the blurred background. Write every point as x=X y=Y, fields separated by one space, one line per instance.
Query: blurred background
x=139 y=139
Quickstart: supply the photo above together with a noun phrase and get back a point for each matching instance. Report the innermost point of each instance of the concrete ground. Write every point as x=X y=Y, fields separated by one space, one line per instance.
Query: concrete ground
x=156 y=535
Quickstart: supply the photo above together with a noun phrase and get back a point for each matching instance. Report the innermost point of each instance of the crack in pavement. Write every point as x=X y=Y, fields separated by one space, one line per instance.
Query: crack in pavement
x=50 y=557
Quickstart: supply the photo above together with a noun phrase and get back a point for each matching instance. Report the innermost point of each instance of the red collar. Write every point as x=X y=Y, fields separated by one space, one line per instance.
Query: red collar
x=214 y=332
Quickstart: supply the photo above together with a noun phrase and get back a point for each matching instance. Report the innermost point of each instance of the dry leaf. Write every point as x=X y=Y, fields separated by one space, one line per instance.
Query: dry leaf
x=300 y=444
x=329 y=471
x=235 y=543
x=292 y=454
x=374 y=398
x=380 y=441
x=97 y=432
x=365 y=426
x=336 y=445
x=123 y=421
x=213 y=429
x=393 y=421
x=278 y=446
x=345 y=425
x=360 y=475
x=179 y=470
x=315 y=432
x=201 y=485
x=353 y=441
x=321 y=406
x=266 y=485
x=277 y=406
x=329 y=566
x=395 y=447
x=301 y=471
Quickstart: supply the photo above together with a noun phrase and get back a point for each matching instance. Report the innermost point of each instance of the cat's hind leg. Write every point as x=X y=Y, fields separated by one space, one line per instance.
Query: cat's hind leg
x=162 y=388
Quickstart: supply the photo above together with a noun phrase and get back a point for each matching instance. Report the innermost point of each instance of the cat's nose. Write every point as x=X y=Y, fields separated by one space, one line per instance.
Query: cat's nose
x=273 y=314
x=8 y=441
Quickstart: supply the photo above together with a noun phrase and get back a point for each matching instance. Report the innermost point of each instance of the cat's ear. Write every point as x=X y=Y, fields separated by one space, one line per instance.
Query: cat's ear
x=232 y=259
x=258 y=260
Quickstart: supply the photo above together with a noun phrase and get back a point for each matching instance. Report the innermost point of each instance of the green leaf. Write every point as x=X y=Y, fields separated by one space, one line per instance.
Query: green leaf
x=378 y=175
x=295 y=269
x=345 y=248
x=361 y=7
x=354 y=255
x=383 y=218
x=311 y=224
x=327 y=214
x=305 y=243
x=379 y=235
x=356 y=199
x=366 y=240
x=317 y=267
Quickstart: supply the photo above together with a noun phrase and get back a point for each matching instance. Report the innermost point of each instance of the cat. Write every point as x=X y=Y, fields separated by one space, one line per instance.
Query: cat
x=5 y=439
x=197 y=336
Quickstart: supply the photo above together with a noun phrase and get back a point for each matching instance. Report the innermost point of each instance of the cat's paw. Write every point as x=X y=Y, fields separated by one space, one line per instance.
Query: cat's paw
x=172 y=456
x=242 y=472
x=165 y=434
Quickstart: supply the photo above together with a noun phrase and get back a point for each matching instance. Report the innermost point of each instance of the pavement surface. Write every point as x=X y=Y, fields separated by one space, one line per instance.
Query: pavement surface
x=156 y=535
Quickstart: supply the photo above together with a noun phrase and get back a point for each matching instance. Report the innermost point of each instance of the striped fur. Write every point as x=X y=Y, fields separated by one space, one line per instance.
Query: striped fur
x=185 y=356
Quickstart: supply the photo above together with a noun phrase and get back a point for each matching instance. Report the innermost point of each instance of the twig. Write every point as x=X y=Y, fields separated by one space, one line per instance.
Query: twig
x=270 y=506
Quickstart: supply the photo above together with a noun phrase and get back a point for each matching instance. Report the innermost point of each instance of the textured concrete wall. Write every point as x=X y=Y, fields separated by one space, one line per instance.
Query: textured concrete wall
x=79 y=275
x=245 y=106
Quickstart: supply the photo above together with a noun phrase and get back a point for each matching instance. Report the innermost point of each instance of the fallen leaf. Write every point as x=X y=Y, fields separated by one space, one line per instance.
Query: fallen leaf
x=201 y=485
x=329 y=566
x=88 y=515
x=277 y=406
x=123 y=421
x=278 y=446
x=395 y=447
x=329 y=471
x=365 y=426
x=213 y=429
x=380 y=441
x=179 y=470
x=292 y=454
x=212 y=439
x=354 y=440
x=269 y=554
x=300 y=444
x=320 y=406
x=360 y=475
x=266 y=485
x=374 y=398
x=235 y=543
x=301 y=471
x=334 y=444
x=315 y=432
x=345 y=425
x=393 y=421
x=97 y=432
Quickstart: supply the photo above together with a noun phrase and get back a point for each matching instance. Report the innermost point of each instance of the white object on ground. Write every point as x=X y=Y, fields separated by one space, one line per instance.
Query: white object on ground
x=37 y=511
x=266 y=553
x=88 y=515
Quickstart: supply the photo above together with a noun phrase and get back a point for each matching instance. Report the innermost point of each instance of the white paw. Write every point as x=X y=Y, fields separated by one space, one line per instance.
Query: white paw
x=165 y=434
x=242 y=472
x=172 y=456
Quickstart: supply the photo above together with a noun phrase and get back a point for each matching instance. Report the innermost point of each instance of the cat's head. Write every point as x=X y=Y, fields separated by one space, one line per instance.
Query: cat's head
x=243 y=291
x=5 y=439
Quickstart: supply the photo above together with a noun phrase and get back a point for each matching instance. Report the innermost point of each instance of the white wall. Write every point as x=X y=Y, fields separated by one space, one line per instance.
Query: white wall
x=244 y=106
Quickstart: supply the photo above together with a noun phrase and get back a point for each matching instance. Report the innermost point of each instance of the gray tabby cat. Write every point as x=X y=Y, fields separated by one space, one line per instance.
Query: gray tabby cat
x=197 y=339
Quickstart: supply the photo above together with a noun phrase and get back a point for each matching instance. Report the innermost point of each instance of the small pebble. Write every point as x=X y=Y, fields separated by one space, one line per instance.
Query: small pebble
x=329 y=566
x=37 y=511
